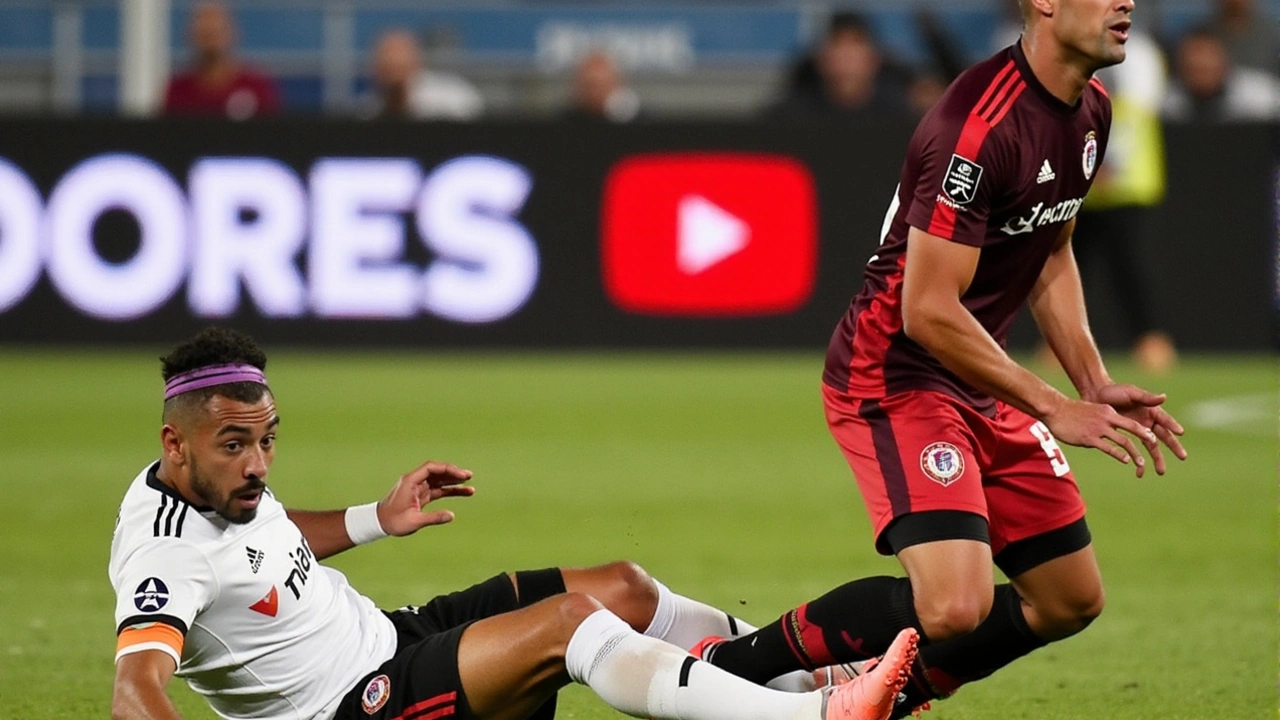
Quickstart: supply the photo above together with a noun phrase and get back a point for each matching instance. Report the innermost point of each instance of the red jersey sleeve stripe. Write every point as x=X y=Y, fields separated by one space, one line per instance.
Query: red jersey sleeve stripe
x=943 y=221
x=986 y=114
x=1098 y=84
x=1001 y=92
x=1000 y=78
x=445 y=700
x=1002 y=98
x=1004 y=110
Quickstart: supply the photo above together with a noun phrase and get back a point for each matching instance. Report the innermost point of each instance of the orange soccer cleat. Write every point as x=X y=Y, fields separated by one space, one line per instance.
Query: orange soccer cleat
x=872 y=695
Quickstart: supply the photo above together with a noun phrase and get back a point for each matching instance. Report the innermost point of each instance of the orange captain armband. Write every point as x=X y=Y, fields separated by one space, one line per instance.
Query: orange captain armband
x=150 y=636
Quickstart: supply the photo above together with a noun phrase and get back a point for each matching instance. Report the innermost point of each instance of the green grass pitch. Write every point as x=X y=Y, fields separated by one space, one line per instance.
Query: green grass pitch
x=713 y=471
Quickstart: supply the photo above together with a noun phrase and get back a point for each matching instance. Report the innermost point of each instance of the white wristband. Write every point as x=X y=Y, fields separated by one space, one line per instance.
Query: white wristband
x=362 y=524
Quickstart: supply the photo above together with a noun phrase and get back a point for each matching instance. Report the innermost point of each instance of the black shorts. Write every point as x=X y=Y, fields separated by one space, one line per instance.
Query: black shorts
x=421 y=682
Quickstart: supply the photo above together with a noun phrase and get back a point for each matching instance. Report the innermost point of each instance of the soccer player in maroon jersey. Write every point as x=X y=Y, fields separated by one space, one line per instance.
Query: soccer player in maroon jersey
x=953 y=444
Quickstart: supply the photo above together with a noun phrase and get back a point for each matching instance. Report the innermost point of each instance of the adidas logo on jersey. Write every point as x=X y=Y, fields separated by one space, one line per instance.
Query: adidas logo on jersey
x=1046 y=174
x=255 y=558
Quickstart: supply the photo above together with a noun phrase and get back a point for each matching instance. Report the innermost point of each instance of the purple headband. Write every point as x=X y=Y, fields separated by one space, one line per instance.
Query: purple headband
x=211 y=375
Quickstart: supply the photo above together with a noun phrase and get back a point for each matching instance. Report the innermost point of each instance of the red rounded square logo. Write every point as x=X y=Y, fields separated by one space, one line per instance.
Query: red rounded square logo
x=709 y=234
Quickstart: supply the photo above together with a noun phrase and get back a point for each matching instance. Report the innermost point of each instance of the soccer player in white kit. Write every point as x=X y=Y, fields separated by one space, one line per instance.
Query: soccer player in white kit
x=219 y=583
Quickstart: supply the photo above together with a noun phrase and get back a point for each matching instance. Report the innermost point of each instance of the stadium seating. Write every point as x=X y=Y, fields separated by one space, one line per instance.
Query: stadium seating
x=686 y=58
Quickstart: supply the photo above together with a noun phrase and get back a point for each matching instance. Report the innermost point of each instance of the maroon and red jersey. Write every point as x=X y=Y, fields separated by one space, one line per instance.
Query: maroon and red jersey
x=1000 y=164
x=248 y=94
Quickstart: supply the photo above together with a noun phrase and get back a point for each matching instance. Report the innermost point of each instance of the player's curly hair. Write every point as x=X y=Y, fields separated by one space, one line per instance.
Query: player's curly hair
x=217 y=346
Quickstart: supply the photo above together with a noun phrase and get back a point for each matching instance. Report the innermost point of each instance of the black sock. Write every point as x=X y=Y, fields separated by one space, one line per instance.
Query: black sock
x=856 y=621
x=1002 y=638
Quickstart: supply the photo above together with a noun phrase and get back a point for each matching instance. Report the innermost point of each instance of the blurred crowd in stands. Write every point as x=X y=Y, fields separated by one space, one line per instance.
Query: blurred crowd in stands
x=1224 y=69
x=1221 y=70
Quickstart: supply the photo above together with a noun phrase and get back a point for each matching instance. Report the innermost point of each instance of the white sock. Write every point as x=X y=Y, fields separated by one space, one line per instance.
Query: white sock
x=642 y=676
x=684 y=621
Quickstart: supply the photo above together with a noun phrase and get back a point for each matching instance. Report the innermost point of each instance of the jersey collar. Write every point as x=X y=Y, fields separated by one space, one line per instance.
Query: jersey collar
x=1051 y=101
x=153 y=481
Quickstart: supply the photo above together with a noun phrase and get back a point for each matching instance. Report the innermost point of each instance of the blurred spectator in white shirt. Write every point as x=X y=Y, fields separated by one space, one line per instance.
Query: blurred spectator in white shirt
x=1208 y=87
x=405 y=88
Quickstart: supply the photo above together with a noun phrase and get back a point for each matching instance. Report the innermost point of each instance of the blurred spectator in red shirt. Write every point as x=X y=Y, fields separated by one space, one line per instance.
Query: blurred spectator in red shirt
x=217 y=84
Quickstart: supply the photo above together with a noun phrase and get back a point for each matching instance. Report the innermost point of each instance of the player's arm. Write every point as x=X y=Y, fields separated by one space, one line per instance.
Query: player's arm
x=139 y=692
x=937 y=274
x=401 y=512
x=1057 y=304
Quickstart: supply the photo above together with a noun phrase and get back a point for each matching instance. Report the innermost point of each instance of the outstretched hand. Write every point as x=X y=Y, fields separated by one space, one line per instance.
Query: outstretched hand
x=402 y=511
x=1145 y=408
x=1108 y=418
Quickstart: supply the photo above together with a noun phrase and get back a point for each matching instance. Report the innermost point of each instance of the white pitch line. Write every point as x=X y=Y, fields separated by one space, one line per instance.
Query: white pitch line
x=1255 y=414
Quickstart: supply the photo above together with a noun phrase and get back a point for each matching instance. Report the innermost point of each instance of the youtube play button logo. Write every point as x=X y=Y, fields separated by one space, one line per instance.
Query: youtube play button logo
x=709 y=234
x=706 y=234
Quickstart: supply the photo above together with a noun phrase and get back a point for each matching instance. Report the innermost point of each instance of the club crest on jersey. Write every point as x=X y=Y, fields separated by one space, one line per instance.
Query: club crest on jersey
x=375 y=694
x=961 y=181
x=1090 y=157
x=152 y=594
x=942 y=462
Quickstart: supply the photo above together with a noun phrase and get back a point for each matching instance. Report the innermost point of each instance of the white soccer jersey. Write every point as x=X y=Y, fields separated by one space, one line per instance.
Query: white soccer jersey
x=255 y=623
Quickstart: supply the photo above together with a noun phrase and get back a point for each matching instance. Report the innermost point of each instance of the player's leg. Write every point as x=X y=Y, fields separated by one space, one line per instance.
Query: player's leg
x=917 y=465
x=1057 y=595
x=499 y=594
x=622 y=587
x=1042 y=542
x=947 y=593
x=508 y=665
x=650 y=607
x=1038 y=529
x=1062 y=596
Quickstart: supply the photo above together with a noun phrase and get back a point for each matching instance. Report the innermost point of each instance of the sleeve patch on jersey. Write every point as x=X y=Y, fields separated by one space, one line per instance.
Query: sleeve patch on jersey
x=152 y=595
x=153 y=635
x=961 y=181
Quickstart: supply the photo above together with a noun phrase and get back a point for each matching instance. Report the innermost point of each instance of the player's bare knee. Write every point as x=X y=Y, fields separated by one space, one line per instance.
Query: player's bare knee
x=573 y=608
x=949 y=616
x=1091 y=610
x=1077 y=612
x=635 y=579
x=636 y=596
x=1068 y=615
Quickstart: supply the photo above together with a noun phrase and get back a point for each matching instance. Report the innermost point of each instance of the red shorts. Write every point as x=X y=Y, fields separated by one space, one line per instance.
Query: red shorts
x=922 y=450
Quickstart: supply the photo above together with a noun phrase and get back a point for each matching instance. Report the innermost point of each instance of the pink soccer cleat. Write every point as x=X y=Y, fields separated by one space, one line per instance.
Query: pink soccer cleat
x=841 y=673
x=872 y=695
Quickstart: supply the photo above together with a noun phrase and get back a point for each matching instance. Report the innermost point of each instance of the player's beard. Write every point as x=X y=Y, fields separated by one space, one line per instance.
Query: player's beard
x=207 y=490
x=1110 y=51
